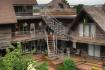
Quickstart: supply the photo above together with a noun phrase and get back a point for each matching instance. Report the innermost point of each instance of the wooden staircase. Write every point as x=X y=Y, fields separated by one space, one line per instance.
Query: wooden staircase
x=59 y=29
x=51 y=45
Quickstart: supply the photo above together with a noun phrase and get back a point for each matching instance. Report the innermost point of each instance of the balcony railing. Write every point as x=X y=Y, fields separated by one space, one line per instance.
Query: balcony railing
x=20 y=36
x=100 y=38
x=28 y=35
x=24 y=13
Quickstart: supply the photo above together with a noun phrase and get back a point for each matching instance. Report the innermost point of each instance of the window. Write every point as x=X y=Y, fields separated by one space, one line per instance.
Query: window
x=23 y=9
x=87 y=29
x=19 y=9
x=61 y=5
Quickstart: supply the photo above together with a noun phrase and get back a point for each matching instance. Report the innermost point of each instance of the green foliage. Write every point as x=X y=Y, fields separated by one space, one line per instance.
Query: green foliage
x=43 y=66
x=15 y=60
x=103 y=68
x=36 y=10
x=78 y=8
x=2 y=66
x=67 y=65
x=60 y=67
x=66 y=2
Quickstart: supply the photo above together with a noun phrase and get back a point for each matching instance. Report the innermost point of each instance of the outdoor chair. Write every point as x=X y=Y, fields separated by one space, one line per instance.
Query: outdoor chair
x=78 y=52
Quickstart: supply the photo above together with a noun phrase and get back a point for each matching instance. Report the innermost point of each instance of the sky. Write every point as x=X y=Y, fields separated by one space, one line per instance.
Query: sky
x=75 y=2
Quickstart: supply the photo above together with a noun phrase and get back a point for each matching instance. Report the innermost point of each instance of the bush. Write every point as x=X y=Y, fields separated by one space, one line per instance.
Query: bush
x=67 y=65
x=14 y=60
x=103 y=68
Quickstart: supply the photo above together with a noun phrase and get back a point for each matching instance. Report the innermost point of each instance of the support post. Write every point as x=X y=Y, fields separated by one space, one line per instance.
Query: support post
x=74 y=45
x=56 y=44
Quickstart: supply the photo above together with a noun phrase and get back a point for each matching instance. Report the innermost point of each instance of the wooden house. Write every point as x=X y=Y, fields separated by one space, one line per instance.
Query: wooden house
x=32 y=29
x=88 y=31
x=43 y=32
x=7 y=20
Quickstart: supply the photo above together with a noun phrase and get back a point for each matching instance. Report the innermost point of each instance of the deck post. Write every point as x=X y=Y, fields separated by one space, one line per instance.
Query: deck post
x=74 y=45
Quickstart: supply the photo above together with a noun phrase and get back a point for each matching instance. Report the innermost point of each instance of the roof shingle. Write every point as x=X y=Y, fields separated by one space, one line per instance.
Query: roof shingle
x=97 y=14
x=7 y=13
x=24 y=2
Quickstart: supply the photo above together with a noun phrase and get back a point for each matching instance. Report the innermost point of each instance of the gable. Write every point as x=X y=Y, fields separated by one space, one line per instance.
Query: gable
x=96 y=15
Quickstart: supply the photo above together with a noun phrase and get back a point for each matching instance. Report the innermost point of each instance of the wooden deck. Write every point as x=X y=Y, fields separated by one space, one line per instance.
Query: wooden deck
x=88 y=64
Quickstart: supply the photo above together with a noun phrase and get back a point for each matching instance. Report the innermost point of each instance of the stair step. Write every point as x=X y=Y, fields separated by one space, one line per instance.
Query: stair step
x=56 y=26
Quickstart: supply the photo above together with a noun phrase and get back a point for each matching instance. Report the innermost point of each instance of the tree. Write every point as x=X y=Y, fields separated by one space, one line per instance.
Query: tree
x=66 y=3
x=78 y=7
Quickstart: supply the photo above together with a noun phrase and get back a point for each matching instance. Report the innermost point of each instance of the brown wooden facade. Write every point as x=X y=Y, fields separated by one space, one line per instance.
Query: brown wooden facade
x=88 y=29
x=28 y=28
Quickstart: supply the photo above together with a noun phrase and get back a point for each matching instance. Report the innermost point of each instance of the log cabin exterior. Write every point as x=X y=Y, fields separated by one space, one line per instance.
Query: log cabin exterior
x=7 y=20
x=31 y=28
x=88 y=31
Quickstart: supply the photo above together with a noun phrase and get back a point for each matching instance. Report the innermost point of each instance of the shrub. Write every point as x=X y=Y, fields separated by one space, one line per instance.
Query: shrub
x=103 y=68
x=67 y=65
x=14 y=60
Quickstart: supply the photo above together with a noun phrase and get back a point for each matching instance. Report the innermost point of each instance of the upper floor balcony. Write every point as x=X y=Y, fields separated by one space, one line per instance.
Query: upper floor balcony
x=21 y=36
x=27 y=35
x=98 y=39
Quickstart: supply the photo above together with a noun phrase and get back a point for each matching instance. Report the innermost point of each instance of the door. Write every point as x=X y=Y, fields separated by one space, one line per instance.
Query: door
x=32 y=30
x=94 y=50
x=81 y=29
x=86 y=30
x=91 y=50
x=97 y=50
x=93 y=30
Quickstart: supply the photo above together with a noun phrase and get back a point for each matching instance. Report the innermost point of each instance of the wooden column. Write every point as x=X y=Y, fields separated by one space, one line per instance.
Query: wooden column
x=74 y=45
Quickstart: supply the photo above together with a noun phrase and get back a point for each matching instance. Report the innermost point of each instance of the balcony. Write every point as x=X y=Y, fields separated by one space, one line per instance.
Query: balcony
x=98 y=39
x=27 y=36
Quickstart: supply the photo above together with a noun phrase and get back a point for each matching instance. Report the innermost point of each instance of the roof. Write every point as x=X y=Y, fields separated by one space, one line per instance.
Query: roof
x=97 y=14
x=60 y=12
x=24 y=2
x=55 y=9
x=55 y=4
x=7 y=13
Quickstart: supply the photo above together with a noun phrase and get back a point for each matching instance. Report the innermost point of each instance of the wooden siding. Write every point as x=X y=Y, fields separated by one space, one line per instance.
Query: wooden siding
x=100 y=34
x=99 y=39
x=7 y=13
x=5 y=36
